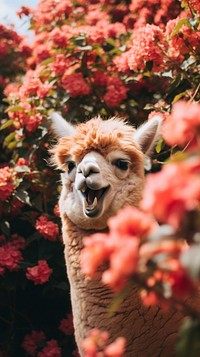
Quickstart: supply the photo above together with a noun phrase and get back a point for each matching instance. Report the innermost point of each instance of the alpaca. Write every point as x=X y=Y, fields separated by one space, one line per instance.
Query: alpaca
x=103 y=170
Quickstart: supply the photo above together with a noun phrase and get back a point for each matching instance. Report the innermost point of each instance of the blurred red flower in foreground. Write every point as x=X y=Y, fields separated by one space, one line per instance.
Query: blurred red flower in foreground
x=169 y=194
x=40 y=273
x=96 y=344
x=183 y=125
x=120 y=247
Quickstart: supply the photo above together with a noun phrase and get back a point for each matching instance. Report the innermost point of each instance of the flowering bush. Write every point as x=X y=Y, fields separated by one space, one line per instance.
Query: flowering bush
x=128 y=58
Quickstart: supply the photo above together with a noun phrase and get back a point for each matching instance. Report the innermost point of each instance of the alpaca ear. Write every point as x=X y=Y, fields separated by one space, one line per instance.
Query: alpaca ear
x=61 y=127
x=146 y=136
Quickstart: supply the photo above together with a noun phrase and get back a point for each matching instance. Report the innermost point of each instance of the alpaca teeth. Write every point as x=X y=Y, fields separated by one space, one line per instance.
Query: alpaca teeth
x=90 y=207
x=86 y=203
x=94 y=203
x=83 y=189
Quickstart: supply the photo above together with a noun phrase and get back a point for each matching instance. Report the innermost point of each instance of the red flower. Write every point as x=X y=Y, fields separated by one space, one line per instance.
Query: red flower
x=173 y=191
x=145 y=48
x=6 y=183
x=120 y=247
x=10 y=256
x=96 y=344
x=40 y=273
x=195 y=5
x=33 y=341
x=48 y=229
x=183 y=124
x=51 y=350
x=116 y=92
x=131 y=221
x=75 y=84
x=66 y=325
x=33 y=86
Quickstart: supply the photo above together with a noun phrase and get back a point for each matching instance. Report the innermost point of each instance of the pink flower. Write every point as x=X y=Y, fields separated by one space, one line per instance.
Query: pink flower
x=6 y=183
x=48 y=229
x=116 y=348
x=95 y=15
x=120 y=247
x=173 y=191
x=33 y=86
x=51 y=350
x=114 y=30
x=75 y=84
x=116 y=92
x=96 y=344
x=195 y=5
x=10 y=256
x=66 y=325
x=59 y=37
x=27 y=117
x=122 y=62
x=100 y=78
x=145 y=48
x=131 y=221
x=183 y=124
x=33 y=341
x=183 y=42
x=50 y=11
x=11 y=89
x=40 y=273
x=60 y=64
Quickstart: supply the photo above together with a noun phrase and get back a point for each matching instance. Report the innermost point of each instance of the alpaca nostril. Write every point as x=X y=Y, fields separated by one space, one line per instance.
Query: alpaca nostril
x=89 y=169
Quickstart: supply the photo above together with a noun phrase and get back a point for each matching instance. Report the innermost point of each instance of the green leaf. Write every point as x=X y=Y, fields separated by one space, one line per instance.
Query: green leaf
x=188 y=344
x=22 y=168
x=119 y=297
x=6 y=124
x=179 y=25
x=15 y=108
x=23 y=196
x=159 y=145
x=5 y=227
x=8 y=139
x=47 y=61
x=12 y=145
x=85 y=48
x=178 y=96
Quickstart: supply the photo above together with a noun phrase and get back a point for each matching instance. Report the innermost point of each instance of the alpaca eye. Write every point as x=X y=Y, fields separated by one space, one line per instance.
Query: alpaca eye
x=70 y=166
x=122 y=164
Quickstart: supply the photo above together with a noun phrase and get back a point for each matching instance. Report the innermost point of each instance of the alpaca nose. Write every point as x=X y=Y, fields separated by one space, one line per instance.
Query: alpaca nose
x=89 y=168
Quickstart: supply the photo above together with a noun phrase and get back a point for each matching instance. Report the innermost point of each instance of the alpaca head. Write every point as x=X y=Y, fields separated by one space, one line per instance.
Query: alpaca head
x=103 y=167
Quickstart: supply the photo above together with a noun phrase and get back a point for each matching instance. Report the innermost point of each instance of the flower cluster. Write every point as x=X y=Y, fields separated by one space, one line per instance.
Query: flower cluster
x=10 y=253
x=48 y=229
x=173 y=192
x=120 y=247
x=34 y=342
x=182 y=126
x=96 y=344
x=66 y=325
x=6 y=183
x=40 y=273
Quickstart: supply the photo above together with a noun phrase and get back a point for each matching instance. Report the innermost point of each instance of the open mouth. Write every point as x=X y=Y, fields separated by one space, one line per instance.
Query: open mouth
x=93 y=200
